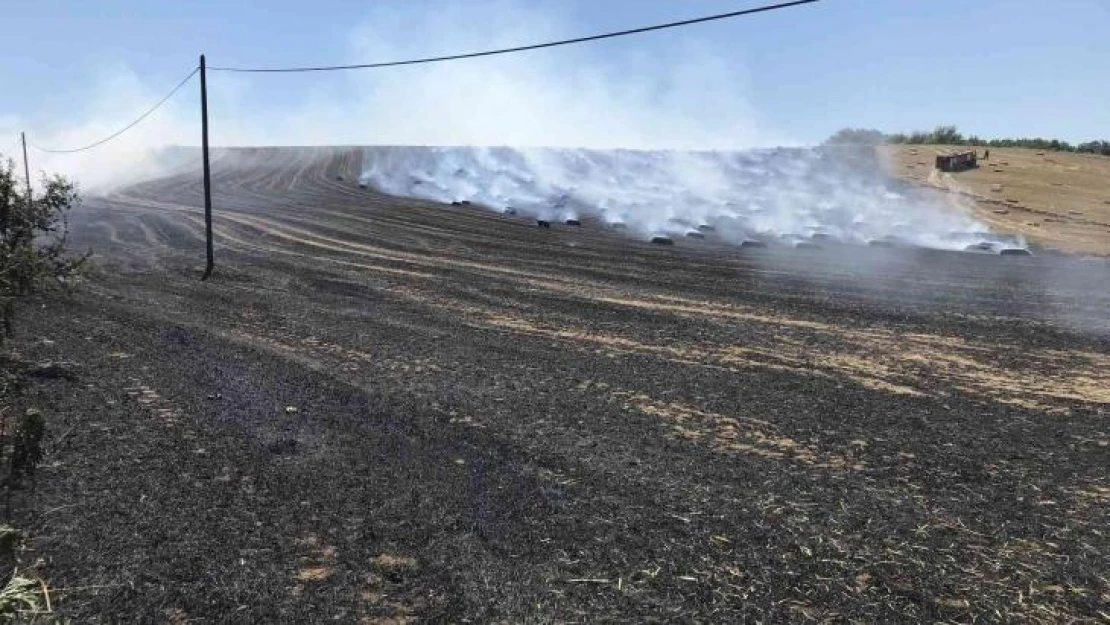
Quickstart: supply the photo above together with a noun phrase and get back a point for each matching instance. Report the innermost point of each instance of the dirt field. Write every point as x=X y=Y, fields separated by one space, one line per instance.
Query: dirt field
x=386 y=411
x=1057 y=199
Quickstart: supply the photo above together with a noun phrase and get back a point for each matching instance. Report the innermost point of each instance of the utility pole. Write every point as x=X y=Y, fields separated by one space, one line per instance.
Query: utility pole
x=22 y=232
x=207 y=169
x=26 y=172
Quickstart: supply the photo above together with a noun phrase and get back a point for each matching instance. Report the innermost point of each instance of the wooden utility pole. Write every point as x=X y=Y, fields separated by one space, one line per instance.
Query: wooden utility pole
x=22 y=234
x=207 y=169
x=26 y=172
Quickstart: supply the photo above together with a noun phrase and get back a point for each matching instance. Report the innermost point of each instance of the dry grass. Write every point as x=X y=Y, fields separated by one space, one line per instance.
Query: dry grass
x=908 y=364
x=1066 y=195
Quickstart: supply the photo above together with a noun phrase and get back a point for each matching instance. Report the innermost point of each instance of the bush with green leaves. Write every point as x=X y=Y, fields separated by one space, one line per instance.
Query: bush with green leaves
x=33 y=233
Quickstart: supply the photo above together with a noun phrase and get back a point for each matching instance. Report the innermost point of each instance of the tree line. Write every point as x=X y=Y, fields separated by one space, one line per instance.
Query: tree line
x=950 y=135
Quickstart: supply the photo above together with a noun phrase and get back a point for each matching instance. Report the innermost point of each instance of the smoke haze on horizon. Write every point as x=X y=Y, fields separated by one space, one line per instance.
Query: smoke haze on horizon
x=692 y=99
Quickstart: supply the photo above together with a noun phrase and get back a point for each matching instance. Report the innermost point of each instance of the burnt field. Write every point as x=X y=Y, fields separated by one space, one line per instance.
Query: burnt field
x=388 y=410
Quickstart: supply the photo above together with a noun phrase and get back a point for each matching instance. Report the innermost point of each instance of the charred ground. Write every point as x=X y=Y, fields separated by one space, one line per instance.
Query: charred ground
x=386 y=409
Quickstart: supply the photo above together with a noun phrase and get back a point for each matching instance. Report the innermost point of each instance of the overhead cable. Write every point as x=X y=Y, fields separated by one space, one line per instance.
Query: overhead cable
x=537 y=46
x=119 y=132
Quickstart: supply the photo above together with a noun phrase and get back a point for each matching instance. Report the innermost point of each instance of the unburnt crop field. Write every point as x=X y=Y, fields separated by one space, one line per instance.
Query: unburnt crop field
x=382 y=410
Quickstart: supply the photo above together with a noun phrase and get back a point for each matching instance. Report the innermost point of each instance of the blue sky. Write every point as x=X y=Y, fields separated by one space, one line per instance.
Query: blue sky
x=993 y=67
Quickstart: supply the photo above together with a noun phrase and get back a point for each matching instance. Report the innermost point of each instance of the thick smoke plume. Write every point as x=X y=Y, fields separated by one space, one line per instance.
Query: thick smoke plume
x=793 y=196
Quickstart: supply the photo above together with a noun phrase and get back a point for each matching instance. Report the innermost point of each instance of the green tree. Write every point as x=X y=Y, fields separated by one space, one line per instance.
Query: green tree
x=946 y=135
x=856 y=136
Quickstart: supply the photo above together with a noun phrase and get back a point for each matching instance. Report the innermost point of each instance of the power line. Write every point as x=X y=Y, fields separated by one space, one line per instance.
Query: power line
x=550 y=44
x=125 y=128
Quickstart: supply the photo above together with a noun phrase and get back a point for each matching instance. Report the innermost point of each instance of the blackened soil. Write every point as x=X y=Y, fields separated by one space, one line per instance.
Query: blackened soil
x=385 y=410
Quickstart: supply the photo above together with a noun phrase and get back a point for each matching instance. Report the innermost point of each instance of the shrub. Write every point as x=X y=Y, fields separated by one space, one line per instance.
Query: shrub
x=33 y=237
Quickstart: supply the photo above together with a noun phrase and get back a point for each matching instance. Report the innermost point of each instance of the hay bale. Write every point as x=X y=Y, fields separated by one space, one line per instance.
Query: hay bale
x=456 y=203
x=1015 y=251
x=573 y=222
x=662 y=240
x=543 y=223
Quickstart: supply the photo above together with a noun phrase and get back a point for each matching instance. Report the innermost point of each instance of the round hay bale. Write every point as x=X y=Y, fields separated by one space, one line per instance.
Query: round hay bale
x=543 y=223
x=751 y=243
x=694 y=234
x=662 y=240
x=573 y=222
x=1015 y=251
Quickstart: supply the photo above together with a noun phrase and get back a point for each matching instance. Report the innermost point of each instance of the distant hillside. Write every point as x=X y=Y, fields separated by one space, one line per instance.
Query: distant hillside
x=1058 y=199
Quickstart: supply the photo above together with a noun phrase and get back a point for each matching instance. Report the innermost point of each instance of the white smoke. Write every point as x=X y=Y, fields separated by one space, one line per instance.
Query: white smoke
x=692 y=98
x=788 y=195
